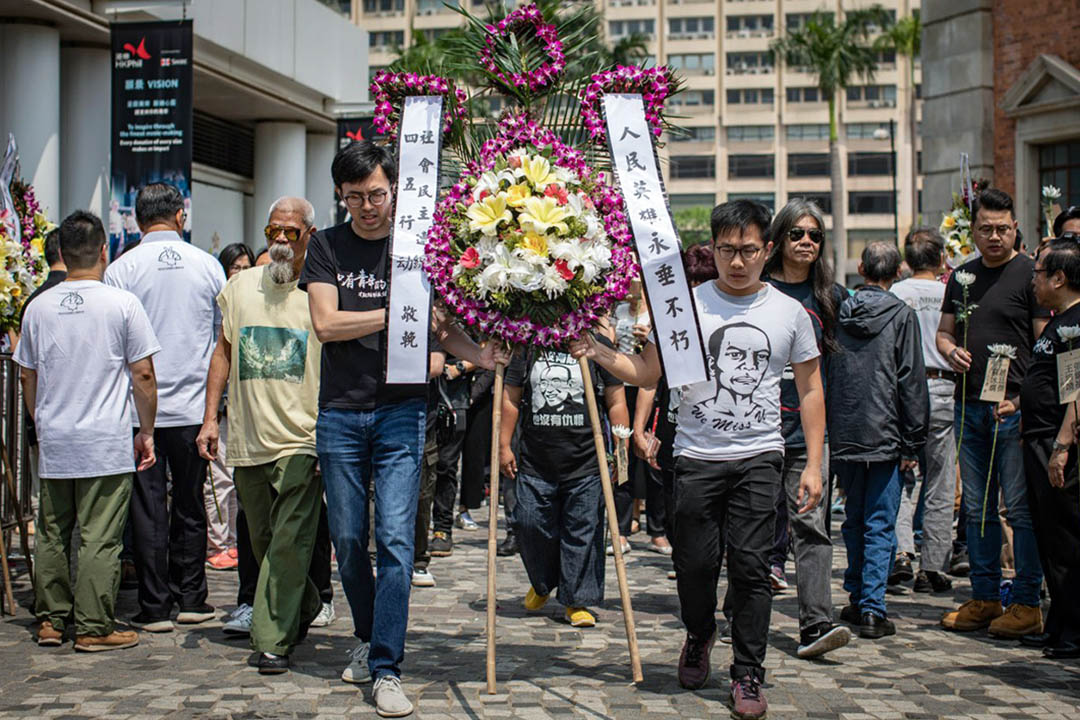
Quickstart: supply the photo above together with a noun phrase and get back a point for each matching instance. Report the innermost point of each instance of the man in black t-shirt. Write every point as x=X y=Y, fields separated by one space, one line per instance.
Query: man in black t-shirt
x=558 y=519
x=1049 y=462
x=369 y=432
x=1005 y=312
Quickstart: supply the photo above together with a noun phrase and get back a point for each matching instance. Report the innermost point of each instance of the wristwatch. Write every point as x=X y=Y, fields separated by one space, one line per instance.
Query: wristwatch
x=1060 y=447
x=460 y=365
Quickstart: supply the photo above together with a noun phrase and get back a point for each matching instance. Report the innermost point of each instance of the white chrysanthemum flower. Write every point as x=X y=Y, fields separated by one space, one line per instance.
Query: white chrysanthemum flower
x=1049 y=192
x=552 y=282
x=1069 y=333
x=1002 y=350
x=965 y=278
x=621 y=431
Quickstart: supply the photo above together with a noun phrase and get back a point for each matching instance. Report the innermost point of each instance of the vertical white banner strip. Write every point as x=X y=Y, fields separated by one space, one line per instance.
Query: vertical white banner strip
x=675 y=324
x=409 y=320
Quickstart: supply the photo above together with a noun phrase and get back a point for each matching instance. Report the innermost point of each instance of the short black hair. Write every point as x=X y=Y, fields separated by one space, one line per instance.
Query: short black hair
x=993 y=200
x=81 y=238
x=923 y=249
x=1070 y=213
x=880 y=261
x=737 y=215
x=52 y=247
x=157 y=202
x=230 y=253
x=1063 y=254
x=357 y=160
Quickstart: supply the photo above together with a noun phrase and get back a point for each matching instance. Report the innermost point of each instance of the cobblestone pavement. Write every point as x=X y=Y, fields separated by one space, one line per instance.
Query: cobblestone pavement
x=545 y=668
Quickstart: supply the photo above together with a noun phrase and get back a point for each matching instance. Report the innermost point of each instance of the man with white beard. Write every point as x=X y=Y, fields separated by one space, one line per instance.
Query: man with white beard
x=268 y=352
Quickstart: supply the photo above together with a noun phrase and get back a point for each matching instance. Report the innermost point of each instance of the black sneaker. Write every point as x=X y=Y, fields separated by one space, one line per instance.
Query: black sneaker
x=142 y=621
x=819 y=639
x=271 y=664
x=874 y=626
x=509 y=546
x=930 y=581
x=902 y=571
x=960 y=565
x=441 y=545
x=851 y=615
x=724 y=634
x=195 y=615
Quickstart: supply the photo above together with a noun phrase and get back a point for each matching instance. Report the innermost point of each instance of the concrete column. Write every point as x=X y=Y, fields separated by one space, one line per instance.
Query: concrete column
x=85 y=78
x=30 y=105
x=280 y=165
x=320 y=188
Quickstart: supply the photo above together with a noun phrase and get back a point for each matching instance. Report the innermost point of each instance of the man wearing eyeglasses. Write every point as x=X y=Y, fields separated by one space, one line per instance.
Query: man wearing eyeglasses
x=370 y=434
x=176 y=283
x=1006 y=312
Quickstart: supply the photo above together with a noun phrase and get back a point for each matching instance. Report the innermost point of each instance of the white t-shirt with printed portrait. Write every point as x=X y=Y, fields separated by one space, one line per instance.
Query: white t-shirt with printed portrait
x=748 y=340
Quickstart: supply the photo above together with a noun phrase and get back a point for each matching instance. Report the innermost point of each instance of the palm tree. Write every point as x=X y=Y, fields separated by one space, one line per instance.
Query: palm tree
x=629 y=50
x=905 y=38
x=835 y=52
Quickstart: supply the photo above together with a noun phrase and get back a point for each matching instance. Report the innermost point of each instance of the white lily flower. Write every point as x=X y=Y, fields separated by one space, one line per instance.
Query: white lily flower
x=491 y=181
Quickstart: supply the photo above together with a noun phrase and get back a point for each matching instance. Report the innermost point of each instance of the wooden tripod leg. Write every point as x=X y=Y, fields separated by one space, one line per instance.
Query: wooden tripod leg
x=23 y=536
x=613 y=521
x=7 y=577
x=493 y=523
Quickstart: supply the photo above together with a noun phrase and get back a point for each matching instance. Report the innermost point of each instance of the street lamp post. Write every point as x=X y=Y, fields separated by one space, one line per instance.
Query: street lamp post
x=879 y=134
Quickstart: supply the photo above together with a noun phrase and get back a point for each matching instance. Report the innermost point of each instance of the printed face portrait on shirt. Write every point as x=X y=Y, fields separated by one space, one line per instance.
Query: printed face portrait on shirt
x=555 y=389
x=739 y=355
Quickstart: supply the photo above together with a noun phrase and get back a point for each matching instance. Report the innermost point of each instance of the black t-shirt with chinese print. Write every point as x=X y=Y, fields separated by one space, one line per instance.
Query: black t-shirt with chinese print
x=353 y=371
x=556 y=435
x=1005 y=314
x=1042 y=413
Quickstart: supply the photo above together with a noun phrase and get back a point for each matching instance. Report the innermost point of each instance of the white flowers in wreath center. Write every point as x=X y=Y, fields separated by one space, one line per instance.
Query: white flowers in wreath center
x=533 y=228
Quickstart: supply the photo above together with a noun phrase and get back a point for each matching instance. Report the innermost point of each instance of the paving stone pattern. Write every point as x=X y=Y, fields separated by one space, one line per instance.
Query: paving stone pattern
x=546 y=669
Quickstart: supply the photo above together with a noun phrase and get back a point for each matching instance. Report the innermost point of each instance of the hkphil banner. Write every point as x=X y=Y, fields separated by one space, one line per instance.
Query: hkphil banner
x=409 y=322
x=151 y=119
x=675 y=324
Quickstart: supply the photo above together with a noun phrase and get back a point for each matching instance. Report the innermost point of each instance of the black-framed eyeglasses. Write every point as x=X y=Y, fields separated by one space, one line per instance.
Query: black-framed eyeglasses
x=356 y=200
x=291 y=234
x=747 y=252
x=816 y=236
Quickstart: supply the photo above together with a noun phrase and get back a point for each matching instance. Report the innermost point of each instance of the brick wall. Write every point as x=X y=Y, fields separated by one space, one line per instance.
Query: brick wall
x=1024 y=29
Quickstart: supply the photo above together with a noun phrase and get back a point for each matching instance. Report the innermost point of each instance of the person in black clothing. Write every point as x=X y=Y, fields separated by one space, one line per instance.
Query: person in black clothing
x=1049 y=456
x=878 y=408
x=57 y=269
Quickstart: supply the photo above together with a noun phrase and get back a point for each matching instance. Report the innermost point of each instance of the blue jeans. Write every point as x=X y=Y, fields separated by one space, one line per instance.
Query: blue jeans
x=869 y=529
x=984 y=547
x=356 y=446
x=560 y=529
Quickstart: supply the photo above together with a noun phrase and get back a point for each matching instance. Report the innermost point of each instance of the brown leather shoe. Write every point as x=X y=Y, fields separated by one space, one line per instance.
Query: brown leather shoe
x=48 y=636
x=972 y=615
x=1018 y=620
x=116 y=640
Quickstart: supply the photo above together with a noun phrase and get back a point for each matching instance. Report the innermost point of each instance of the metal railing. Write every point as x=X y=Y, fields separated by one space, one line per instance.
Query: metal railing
x=13 y=431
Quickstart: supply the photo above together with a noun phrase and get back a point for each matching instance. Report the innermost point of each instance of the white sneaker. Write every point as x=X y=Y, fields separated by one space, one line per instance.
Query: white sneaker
x=358 y=671
x=239 y=621
x=465 y=521
x=422 y=578
x=325 y=616
x=390 y=700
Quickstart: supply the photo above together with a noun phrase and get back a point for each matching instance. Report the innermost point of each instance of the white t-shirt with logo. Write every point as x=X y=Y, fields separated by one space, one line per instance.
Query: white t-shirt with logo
x=925 y=298
x=749 y=340
x=177 y=283
x=80 y=337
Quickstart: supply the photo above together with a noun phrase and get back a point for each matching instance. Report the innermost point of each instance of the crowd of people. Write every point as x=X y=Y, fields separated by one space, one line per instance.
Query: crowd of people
x=198 y=413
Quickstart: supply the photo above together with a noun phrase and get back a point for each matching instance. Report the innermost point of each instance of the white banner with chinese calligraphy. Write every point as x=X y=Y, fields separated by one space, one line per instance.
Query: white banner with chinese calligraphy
x=675 y=324
x=410 y=292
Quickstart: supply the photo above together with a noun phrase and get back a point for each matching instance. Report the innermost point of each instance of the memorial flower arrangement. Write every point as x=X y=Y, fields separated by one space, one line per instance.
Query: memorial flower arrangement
x=23 y=257
x=956 y=226
x=997 y=351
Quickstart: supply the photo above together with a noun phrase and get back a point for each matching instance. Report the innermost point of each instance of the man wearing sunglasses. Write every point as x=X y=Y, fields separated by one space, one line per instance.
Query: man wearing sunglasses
x=370 y=433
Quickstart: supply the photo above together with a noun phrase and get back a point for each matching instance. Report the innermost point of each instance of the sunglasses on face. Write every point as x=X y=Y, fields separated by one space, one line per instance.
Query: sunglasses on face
x=272 y=231
x=795 y=234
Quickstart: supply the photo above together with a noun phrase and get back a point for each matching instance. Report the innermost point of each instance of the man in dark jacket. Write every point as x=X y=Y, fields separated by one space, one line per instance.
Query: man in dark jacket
x=878 y=413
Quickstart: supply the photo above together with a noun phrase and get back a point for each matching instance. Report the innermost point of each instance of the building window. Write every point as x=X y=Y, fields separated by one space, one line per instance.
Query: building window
x=797 y=21
x=690 y=28
x=864 y=131
x=680 y=202
x=692 y=167
x=695 y=134
x=807 y=132
x=749 y=96
x=622 y=28
x=693 y=63
x=869 y=163
x=871 y=203
x=859 y=239
x=803 y=94
x=872 y=95
x=1059 y=165
x=749 y=26
x=749 y=63
x=822 y=200
x=751 y=166
x=886 y=57
x=766 y=199
x=694 y=98
x=386 y=39
x=808 y=165
x=384 y=6
x=750 y=133
x=433 y=34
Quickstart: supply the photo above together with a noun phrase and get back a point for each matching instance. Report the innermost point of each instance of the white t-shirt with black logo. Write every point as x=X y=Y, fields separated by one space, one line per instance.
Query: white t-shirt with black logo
x=749 y=340
x=178 y=284
x=79 y=337
x=924 y=297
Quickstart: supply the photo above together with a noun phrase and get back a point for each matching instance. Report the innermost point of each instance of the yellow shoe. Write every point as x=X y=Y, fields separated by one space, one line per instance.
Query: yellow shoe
x=1018 y=620
x=972 y=615
x=534 y=601
x=580 y=617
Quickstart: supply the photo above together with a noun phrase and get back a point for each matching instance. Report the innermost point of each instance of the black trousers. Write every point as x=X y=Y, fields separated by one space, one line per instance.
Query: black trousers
x=248 y=569
x=1055 y=514
x=473 y=448
x=735 y=501
x=169 y=546
x=644 y=483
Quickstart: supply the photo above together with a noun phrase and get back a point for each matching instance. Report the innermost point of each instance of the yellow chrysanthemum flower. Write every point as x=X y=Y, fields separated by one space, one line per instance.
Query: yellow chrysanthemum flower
x=535 y=244
x=537 y=171
x=949 y=222
x=486 y=215
x=516 y=195
x=543 y=213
